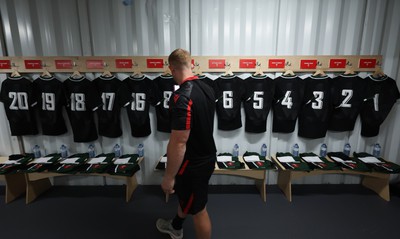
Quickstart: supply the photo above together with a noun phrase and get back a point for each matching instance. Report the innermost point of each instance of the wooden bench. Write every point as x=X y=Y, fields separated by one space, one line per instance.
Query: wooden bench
x=15 y=184
x=378 y=182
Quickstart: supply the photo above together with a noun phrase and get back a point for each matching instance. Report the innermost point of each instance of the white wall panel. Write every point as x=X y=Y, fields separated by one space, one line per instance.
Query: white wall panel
x=207 y=27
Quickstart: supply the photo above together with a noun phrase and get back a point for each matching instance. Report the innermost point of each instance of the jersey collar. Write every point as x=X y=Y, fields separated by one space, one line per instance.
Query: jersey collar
x=190 y=79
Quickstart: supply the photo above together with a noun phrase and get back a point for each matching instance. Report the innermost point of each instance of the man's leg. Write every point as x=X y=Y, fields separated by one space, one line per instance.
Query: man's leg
x=202 y=224
x=179 y=219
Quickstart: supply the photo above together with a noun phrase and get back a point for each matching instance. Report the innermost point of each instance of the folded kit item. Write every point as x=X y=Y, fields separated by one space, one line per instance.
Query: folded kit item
x=126 y=165
x=255 y=161
x=377 y=164
x=15 y=163
x=316 y=162
x=290 y=162
x=227 y=161
x=347 y=162
x=162 y=164
x=41 y=164
x=99 y=164
x=70 y=165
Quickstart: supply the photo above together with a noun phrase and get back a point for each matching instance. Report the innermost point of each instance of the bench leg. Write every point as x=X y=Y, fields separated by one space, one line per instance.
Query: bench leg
x=131 y=185
x=378 y=185
x=35 y=188
x=15 y=186
x=260 y=184
x=284 y=183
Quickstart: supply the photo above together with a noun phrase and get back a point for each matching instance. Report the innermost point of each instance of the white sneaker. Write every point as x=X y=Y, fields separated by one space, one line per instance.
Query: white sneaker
x=165 y=226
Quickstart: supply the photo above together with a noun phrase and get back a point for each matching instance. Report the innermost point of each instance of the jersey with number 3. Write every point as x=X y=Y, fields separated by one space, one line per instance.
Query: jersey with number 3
x=51 y=100
x=257 y=104
x=84 y=99
x=347 y=98
x=382 y=94
x=18 y=98
x=114 y=97
x=314 y=113
x=229 y=94
x=288 y=99
x=141 y=90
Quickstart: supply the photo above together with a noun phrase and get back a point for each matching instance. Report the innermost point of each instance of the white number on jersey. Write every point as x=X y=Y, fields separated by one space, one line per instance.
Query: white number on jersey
x=138 y=102
x=227 y=100
x=258 y=100
x=319 y=96
x=19 y=100
x=78 y=102
x=287 y=100
x=348 y=94
x=108 y=101
x=376 y=102
x=48 y=101
x=167 y=95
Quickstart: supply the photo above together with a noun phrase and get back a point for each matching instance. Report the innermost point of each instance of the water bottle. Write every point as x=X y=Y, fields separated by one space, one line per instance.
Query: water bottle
x=264 y=150
x=377 y=150
x=140 y=150
x=117 y=151
x=91 y=151
x=36 y=151
x=236 y=150
x=322 y=152
x=347 y=149
x=295 y=150
x=63 y=151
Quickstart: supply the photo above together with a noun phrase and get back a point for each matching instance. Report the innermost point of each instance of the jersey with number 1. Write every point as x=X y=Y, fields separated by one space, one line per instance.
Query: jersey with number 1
x=51 y=100
x=84 y=99
x=314 y=113
x=347 y=98
x=114 y=97
x=288 y=99
x=19 y=100
x=257 y=104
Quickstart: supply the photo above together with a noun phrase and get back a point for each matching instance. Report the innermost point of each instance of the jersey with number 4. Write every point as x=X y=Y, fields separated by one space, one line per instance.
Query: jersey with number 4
x=18 y=98
x=257 y=104
x=347 y=98
x=114 y=97
x=229 y=94
x=382 y=94
x=314 y=113
x=84 y=99
x=288 y=99
x=141 y=90
x=51 y=100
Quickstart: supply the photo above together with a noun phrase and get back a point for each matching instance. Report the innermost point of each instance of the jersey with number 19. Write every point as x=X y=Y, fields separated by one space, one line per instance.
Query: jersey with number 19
x=288 y=99
x=84 y=99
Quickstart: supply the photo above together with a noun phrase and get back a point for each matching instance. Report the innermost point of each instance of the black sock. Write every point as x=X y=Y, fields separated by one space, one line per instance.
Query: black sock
x=177 y=222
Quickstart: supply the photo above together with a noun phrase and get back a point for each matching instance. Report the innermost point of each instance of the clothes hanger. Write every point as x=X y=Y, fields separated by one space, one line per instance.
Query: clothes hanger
x=46 y=73
x=76 y=75
x=378 y=73
x=289 y=73
x=259 y=72
x=137 y=73
x=319 y=72
x=228 y=71
x=15 y=73
x=198 y=71
x=349 y=71
x=107 y=73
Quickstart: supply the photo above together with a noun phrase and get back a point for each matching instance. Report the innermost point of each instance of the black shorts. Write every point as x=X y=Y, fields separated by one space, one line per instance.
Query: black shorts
x=191 y=187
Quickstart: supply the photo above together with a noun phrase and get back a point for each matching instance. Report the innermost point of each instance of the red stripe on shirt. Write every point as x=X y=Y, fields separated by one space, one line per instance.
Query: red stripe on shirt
x=189 y=204
x=189 y=114
x=182 y=170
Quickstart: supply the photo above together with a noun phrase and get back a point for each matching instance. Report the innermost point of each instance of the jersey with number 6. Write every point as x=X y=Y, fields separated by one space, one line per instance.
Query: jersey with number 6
x=314 y=113
x=164 y=87
x=114 y=97
x=51 y=100
x=18 y=98
x=84 y=99
x=257 y=104
x=141 y=90
x=229 y=94
x=347 y=98
x=288 y=99
x=382 y=94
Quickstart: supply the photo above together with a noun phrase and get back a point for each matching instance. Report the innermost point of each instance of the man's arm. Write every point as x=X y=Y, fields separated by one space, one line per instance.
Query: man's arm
x=175 y=153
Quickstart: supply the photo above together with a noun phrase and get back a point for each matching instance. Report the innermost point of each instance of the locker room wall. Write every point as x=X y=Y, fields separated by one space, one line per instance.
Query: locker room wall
x=206 y=27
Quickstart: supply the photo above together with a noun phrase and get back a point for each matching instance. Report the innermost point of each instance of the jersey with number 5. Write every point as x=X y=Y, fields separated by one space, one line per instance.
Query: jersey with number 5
x=51 y=99
x=229 y=94
x=141 y=90
x=84 y=99
x=314 y=113
x=288 y=98
x=257 y=104
x=381 y=94
x=18 y=98
x=114 y=97
x=347 y=98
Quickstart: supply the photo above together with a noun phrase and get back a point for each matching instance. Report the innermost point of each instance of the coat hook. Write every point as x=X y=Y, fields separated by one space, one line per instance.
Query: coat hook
x=319 y=63
x=135 y=64
x=288 y=63
x=166 y=63
x=227 y=64
x=105 y=64
x=258 y=63
x=74 y=64
x=348 y=63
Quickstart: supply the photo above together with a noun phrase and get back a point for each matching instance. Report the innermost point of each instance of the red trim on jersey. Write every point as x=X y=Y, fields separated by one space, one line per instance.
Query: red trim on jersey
x=189 y=204
x=189 y=79
x=182 y=170
x=189 y=114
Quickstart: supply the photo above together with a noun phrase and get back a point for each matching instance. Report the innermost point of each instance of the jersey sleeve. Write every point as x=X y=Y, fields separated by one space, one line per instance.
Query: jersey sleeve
x=3 y=93
x=180 y=112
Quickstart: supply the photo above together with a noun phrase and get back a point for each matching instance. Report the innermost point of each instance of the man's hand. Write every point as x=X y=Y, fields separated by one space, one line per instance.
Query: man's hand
x=167 y=185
